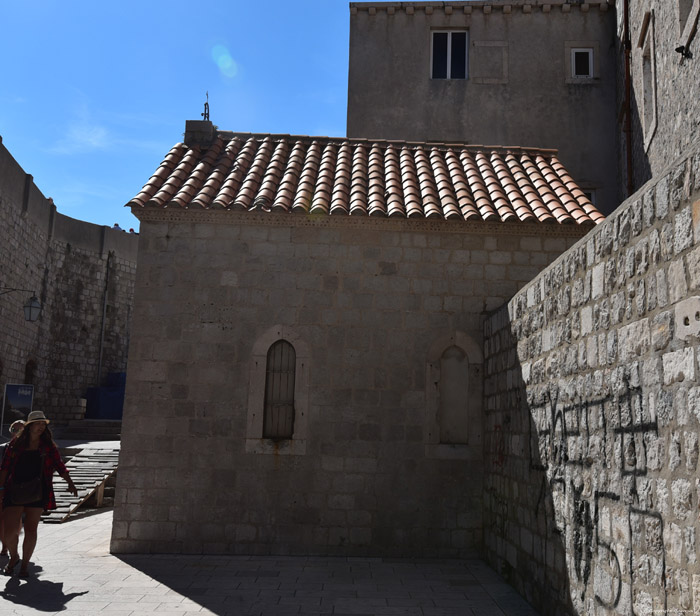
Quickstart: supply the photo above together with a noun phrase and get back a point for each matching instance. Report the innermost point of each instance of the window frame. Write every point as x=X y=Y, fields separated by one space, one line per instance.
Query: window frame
x=449 y=32
x=589 y=52
x=434 y=448
x=280 y=369
x=591 y=46
x=255 y=442
x=590 y=194
x=646 y=48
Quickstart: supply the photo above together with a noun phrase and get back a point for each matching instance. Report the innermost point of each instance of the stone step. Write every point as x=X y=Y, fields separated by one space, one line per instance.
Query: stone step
x=90 y=429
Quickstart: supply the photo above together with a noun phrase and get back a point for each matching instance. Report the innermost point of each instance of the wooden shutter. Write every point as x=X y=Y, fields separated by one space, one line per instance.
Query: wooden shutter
x=278 y=420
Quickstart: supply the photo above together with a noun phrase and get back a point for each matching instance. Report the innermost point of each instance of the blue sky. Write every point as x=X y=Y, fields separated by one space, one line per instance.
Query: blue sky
x=94 y=94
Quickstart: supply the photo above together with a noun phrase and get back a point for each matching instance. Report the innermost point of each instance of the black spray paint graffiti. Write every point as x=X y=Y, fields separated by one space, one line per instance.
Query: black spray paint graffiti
x=602 y=433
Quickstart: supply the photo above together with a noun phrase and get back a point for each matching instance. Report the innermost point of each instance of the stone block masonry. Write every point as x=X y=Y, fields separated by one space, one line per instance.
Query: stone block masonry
x=592 y=417
x=369 y=306
x=83 y=275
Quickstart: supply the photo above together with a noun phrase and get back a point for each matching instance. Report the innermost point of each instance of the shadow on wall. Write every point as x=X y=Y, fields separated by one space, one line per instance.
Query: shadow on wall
x=523 y=540
x=643 y=129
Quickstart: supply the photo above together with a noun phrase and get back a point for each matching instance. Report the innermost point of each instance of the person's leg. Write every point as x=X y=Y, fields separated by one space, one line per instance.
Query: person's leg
x=31 y=524
x=12 y=519
x=3 y=550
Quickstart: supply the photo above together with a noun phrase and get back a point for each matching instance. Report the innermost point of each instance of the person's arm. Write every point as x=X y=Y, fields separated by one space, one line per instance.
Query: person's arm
x=71 y=486
x=62 y=470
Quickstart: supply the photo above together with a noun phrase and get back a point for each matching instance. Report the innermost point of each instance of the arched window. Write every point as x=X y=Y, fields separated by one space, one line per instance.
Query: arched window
x=30 y=372
x=454 y=388
x=453 y=409
x=278 y=419
x=278 y=393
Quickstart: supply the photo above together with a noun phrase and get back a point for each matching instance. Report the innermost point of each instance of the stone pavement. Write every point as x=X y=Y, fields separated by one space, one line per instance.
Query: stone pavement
x=74 y=574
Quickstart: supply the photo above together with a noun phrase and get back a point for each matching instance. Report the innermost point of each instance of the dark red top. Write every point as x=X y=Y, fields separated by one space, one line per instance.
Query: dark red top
x=52 y=462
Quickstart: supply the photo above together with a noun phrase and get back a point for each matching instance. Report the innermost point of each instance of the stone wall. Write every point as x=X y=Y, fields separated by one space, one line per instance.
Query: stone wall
x=83 y=275
x=592 y=415
x=665 y=106
x=370 y=306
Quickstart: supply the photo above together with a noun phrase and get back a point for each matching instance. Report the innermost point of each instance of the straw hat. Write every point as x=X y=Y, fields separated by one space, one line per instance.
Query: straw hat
x=36 y=416
x=16 y=426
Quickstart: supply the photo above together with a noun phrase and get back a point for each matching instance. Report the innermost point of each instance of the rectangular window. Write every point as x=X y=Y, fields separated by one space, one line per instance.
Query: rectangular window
x=449 y=55
x=582 y=63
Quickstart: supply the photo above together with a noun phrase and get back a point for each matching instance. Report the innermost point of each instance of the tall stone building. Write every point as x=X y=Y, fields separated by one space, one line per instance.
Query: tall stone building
x=355 y=346
x=538 y=74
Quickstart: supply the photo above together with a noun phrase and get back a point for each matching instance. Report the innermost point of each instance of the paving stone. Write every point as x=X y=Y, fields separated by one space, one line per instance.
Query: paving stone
x=73 y=573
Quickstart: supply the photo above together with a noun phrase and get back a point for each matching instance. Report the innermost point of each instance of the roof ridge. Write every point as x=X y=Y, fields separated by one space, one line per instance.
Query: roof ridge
x=446 y=145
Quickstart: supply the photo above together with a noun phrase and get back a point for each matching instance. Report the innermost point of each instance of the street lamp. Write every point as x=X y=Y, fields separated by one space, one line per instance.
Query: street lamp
x=32 y=307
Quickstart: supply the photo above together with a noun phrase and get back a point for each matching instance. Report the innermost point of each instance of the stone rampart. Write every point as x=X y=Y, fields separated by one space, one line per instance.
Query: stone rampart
x=592 y=403
x=83 y=275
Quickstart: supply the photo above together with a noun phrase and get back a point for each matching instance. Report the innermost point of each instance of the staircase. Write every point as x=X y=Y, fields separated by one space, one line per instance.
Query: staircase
x=94 y=472
x=89 y=430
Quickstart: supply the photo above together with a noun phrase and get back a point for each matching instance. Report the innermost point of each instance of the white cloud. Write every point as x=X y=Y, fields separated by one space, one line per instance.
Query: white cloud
x=84 y=135
x=81 y=138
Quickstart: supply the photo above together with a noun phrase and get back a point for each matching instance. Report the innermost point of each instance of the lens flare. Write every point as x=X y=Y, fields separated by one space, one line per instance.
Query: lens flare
x=222 y=58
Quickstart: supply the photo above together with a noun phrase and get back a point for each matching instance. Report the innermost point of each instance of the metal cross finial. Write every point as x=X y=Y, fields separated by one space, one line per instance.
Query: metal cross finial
x=205 y=115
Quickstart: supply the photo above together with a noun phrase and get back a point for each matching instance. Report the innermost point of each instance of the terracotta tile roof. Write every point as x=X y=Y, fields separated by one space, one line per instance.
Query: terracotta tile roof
x=328 y=176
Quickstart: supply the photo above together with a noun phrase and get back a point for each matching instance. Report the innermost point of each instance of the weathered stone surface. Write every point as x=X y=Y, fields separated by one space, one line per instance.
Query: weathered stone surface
x=661 y=331
x=617 y=402
x=677 y=285
x=687 y=318
x=634 y=339
x=679 y=366
x=83 y=275
x=683 y=233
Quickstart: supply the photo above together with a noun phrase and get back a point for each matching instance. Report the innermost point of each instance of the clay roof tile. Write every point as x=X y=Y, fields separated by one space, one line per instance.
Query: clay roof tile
x=364 y=177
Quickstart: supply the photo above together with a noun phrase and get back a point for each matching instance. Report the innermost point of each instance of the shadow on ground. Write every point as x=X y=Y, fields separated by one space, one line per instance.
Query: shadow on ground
x=327 y=585
x=41 y=595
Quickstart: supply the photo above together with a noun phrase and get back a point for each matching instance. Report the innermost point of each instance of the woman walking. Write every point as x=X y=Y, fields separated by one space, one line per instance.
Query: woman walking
x=15 y=430
x=26 y=484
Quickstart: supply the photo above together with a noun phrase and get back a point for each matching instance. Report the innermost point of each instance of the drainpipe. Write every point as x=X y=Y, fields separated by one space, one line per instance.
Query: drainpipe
x=627 y=43
x=104 y=319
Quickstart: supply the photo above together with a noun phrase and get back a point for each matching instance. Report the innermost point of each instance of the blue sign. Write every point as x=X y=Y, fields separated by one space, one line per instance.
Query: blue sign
x=17 y=404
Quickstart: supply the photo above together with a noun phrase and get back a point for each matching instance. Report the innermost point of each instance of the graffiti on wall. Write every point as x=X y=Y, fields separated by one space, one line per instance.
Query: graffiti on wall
x=593 y=456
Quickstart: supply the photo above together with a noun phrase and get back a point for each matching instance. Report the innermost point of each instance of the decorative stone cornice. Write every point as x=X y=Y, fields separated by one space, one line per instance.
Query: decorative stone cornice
x=423 y=225
x=494 y=6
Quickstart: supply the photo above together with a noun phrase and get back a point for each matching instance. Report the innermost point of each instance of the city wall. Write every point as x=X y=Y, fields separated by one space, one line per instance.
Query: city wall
x=83 y=275
x=592 y=409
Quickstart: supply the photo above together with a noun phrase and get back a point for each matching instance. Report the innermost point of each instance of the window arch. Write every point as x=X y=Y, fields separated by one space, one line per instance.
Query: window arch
x=278 y=393
x=278 y=418
x=453 y=396
x=454 y=387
